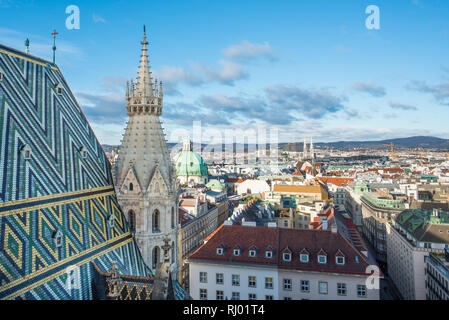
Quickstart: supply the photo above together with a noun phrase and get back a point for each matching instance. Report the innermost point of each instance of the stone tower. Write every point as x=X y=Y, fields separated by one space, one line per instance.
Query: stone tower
x=145 y=180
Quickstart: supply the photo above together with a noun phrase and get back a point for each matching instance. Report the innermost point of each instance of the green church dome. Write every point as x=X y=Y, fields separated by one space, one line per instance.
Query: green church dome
x=189 y=163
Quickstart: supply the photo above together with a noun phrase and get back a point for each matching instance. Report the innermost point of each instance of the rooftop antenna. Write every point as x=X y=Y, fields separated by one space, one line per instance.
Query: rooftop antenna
x=27 y=46
x=54 y=44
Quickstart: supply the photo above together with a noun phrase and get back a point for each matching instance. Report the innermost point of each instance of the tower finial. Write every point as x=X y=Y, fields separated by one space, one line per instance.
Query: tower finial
x=27 y=46
x=54 y=44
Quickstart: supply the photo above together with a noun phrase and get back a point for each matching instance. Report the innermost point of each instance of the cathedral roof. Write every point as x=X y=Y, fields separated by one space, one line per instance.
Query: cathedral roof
x=59 y=214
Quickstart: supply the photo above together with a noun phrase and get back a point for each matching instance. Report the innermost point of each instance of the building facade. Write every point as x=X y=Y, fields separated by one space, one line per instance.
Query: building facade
x=411 y=237
x=245 y=262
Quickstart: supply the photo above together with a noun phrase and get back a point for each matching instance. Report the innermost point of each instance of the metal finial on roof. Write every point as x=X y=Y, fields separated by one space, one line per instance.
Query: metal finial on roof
x=54 y=44
x=27 y=45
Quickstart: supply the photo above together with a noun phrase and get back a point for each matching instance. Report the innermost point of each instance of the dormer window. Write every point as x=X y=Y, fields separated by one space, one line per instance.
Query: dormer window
x=340 y=260
x=111 y=221
x=236 y=252
x=58 y=88
x=57 y=239
x=252 y=252
x=220 y=251
x=304 y=257
x=83 y=152
x=287 y=256
x=269 y=254
x=26 y=152
x=322 y=259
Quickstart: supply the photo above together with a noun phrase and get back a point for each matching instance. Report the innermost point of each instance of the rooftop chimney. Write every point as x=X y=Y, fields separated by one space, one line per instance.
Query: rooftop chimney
x=324 y=225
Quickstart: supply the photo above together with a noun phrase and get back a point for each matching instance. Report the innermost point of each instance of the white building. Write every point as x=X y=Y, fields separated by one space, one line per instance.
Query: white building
x=411 y=237
x=253 y=187
x=244 y=262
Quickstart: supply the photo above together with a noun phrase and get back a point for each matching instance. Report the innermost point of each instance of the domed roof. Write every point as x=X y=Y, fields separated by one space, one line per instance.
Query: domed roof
x=189 y=163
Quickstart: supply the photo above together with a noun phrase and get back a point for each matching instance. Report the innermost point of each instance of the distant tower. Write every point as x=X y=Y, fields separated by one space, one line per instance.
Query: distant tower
x=304 y=149
x=146 y=183
x=312 y=152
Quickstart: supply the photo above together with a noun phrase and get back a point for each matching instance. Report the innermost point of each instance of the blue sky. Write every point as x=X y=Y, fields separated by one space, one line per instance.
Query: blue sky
x=308 y=68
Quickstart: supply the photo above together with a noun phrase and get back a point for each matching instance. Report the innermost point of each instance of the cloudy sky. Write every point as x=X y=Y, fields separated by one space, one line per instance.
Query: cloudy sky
x=307 y=68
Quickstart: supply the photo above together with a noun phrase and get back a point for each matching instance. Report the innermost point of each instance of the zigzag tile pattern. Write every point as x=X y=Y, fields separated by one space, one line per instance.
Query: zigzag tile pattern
x=63 y=190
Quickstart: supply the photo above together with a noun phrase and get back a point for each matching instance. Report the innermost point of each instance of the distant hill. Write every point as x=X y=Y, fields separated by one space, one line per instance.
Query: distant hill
x=421 y=142
x=401 y=143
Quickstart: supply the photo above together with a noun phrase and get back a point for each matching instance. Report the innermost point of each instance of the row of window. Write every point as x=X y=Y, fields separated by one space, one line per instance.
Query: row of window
x=323 y=287
x=305 y=287
x=286 y=256
x=235 y=281
x=219 y=295
x=287 y=284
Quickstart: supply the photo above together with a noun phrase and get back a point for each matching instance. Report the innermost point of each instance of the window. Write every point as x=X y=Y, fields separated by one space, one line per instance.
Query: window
x=251 y=281
x=83 y=152
x=268 y=297
x=236 y=296
x=132 y=221
x=219 y=278
x=322 y=259
x=172 y=217
x=220 y=251
x=252 y=296
x=235 y=280
x=252 y=253
x=287 y=256
x=131 y=186
x=1 y=76
x=236 y=252
x=26 y=152
x=305 y=286
x=59 y=89
x=322 y=287
x=340 y=260
x=287 y=298
x=304 y=257
x=268 y=283
x=341 y=289
x=269 y=254
x=288 y=284
x=361 y=291
x=220 y=295
x=156 y=221
x=203 y=277
x=203 y=294
x=111 y=220
x=57 y=239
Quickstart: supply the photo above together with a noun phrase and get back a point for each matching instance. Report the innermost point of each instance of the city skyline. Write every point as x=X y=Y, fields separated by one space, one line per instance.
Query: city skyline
x=315 y=71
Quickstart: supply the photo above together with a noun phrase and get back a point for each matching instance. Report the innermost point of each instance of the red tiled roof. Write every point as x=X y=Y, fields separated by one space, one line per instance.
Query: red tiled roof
x=337 y=180
x=279 y=239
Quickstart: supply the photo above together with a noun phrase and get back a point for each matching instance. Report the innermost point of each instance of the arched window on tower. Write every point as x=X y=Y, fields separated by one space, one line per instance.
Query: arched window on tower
x=155 y=257
x=156 y=221
x=172 y=252
x=131 y=186
x=172 y=217
x=132 y=221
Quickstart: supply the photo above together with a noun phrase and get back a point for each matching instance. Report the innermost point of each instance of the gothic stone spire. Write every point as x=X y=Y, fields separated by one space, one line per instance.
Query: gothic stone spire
x=144 y=98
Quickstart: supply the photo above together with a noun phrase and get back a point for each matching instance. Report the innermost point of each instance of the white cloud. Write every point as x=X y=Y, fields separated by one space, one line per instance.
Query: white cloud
x=96 y=18
x=246 y=51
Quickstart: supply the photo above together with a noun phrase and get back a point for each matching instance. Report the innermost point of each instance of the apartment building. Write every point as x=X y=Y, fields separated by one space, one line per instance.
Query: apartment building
x=245 y=262
x=411 y=237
